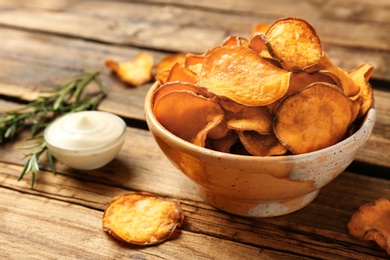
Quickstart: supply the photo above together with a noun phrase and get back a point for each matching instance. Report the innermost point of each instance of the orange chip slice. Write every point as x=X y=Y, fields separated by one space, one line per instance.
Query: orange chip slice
x=349 y=87
x=219 y=131
x=178 y=85
x=360 y=76
x=189 y=122
x=162 y=76
x=179 y=73
x=193 y=59
x=194 y=62
x=135 y=72
x=356 y=108
x=259 y=43
x=371 y=222
x=240 y=74
x=236 y=40
x=167 y=62
x=225 y=143
x=295 y=43
x=251 y=118
x=302 y=79
x=231 y=106
x=261 y=145
x=260 y=27
x=142 y=218
x=314 y=118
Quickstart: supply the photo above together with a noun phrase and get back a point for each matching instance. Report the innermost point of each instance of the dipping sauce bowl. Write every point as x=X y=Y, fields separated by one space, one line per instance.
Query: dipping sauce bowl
x=85 y=140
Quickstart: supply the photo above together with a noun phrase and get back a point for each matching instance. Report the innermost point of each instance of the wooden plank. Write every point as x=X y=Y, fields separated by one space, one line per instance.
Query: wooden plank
x=47 y=61
x=331 y=9
x=42 y=228
x=332 y=18
x=308 y=232
x=380 y=138
x=63 y=213
x=184 y=28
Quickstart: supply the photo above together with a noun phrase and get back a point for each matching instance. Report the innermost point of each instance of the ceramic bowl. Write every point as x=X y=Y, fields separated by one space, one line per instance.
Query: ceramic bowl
x=256 y=186
x=90 y=149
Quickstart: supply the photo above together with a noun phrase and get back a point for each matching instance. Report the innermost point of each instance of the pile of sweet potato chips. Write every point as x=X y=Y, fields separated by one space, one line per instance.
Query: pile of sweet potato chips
x=274 y=94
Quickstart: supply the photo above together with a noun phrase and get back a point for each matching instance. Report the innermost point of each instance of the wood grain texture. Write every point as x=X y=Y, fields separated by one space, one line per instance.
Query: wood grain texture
x=78 y=203
x=41 y=228
x=309 y=232
x=44 y=43
x=193 y=26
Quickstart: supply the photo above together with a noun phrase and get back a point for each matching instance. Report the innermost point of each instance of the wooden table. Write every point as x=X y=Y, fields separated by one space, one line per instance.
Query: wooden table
x=44 y=43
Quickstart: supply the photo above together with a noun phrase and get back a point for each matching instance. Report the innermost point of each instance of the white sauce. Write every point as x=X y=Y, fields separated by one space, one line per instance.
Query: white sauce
x=84 y=130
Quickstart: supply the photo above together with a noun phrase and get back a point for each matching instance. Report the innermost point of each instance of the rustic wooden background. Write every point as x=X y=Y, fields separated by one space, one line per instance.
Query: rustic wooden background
x=43 y=43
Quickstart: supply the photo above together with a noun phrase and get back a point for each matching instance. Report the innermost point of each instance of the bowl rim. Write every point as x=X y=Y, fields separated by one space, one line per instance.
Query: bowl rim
x=151 y=119
x=94 y=149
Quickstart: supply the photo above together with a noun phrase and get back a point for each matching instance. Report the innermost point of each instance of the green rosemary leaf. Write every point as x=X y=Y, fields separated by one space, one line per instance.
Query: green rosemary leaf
x=81 y=85
x=51 y=161
x=34 y=169
x=10 y=132
x=59 y=100
x=35 y=165
x=27 y=168
x=100 y=85
x=26 y=147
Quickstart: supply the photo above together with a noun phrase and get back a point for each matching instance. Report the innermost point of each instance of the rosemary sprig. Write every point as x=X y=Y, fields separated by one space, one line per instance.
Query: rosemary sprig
x=32 y=164
x=39 y=113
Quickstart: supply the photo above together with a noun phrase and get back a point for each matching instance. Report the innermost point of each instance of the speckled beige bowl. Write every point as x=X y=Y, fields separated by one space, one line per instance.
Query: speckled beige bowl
x=257 y=186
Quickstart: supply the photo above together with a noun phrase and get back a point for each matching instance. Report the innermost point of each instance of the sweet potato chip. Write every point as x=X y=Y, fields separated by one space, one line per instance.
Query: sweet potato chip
x=314 y=118
x=231 y=106
x=189 y=122
x=236 y=40
x=224 y=144
x=261 y=144
x=142 y=218
x=303 y=79
x=168 y=61
x=356 y=109
x=294 y=43
x=260 y=27
x=180 y=73
x=360 y=77
x=193 y=59
x=219 y=131
x=135 y=72
x=162 y=76
x=372 y=222
x=194 y=62
x=240 y=74
x=178 y=85
x=251 y=118
x=349 y=87
x=259 y=43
